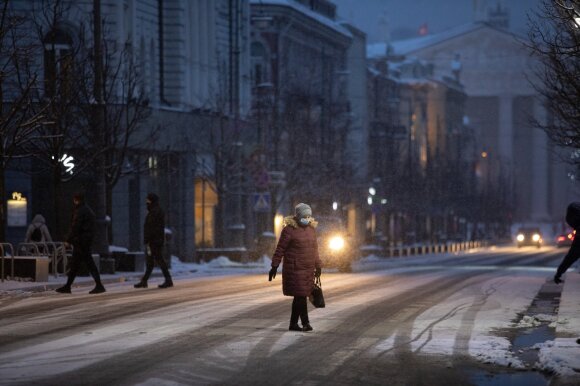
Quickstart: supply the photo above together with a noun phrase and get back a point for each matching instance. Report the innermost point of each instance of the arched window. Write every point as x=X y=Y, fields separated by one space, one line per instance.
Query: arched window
x=260 y=66
x=58 y=62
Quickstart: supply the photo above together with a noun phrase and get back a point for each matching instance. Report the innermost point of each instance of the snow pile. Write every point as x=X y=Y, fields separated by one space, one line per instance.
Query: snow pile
x=535 y=320
x=494 y=350
x=560 y=356
x=221 y=265
x=265 y=262
x=370 y=259
x=223 y=262
x=114 y=248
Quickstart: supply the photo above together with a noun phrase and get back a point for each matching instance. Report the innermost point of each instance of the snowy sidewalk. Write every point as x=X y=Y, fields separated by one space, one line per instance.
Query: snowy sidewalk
x=562 y=355
x=179 y=270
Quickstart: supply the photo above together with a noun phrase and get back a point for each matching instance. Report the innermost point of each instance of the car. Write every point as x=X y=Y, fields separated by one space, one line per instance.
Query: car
x=529 y=236
x=335 y=247
x=565 y=239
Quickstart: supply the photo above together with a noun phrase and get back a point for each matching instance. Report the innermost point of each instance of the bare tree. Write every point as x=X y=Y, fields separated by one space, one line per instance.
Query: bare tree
x=223 y=145
x=554 y=38
x=309 y=126
x=20 y=116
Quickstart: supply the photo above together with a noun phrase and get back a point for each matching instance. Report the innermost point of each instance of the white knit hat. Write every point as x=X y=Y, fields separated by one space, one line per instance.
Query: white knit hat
x=302 y=210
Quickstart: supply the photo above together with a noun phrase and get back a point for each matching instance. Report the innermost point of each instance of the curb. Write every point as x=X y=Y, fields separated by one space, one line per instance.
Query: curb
x=79 y=284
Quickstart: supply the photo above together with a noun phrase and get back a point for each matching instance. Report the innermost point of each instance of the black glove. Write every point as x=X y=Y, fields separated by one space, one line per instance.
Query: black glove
x=557 y=279
x=272 y=273
x=318 y=272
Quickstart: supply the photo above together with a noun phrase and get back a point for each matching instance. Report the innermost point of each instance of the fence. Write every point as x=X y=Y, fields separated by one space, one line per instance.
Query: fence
x=57 y=252
x=424 y=249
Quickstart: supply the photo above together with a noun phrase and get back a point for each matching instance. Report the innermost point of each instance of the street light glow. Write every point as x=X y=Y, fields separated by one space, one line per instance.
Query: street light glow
x=384 y=201
x=483 y=154
x=372 y=191
x=369 y=200
x=334 y=205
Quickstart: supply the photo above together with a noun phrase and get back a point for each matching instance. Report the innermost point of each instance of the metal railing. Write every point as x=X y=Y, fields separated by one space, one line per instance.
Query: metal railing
x=57 y=252
x=423 y=249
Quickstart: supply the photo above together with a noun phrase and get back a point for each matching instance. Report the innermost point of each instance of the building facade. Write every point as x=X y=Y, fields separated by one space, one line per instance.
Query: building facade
x=516 y=168
x=191 y=66
x=307 y=68
x=419 y=154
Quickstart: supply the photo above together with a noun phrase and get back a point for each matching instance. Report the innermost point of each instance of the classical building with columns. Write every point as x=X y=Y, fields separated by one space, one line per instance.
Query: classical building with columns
x=516 y=161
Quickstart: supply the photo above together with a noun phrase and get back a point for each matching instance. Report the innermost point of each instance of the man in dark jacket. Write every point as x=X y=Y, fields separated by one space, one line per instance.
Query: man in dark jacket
x=570 y=258
x=81 y=238
x=154 y=238
x=573 y=219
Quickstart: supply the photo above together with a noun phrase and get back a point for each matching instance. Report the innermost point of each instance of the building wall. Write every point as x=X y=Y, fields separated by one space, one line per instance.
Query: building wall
x=196 y=71
x=494 y=69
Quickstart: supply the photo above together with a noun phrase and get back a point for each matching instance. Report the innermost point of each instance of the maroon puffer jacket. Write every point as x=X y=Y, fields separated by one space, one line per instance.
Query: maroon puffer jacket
x=299 y=248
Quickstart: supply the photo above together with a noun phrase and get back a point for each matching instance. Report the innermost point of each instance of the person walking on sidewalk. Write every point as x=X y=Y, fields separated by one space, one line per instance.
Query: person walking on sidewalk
x=299 y=249
x=81 y=238
x=154 y=238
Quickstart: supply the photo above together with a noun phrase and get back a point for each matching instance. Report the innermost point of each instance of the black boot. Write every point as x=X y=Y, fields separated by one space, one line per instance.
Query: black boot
x=63 y=290
x=141 y=284
x=307 y=327
x=99 y=289
x=168 y=283
x=294 y=327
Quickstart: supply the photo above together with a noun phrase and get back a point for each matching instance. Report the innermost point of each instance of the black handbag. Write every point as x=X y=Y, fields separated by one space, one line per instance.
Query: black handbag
x=316 y=297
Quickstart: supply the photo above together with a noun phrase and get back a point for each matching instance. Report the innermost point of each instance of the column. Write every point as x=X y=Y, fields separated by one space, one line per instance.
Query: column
x=540 y=166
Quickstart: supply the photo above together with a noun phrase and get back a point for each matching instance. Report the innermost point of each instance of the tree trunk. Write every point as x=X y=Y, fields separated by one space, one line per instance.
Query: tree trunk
x=109 y=190
x=220 y=217
x=101 y=243
x=59 y=222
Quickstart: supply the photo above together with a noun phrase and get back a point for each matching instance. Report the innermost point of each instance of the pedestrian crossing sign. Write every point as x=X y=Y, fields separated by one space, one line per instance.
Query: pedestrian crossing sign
x=261 y=202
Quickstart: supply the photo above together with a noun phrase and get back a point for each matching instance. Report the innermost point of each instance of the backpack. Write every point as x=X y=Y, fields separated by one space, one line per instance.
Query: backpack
x=573 y=215
x=36 y=235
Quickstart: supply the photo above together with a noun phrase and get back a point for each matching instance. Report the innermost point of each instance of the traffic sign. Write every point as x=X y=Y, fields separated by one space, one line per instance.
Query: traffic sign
x=261 y=202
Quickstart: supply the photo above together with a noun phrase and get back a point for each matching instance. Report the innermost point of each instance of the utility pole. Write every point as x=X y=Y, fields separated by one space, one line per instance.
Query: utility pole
x=101 y=243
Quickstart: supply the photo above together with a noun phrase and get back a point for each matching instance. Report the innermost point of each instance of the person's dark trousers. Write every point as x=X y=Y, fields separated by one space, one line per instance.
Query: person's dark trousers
x=570 y=258
x=82 y=254
x=156 y=256
x=299 y=310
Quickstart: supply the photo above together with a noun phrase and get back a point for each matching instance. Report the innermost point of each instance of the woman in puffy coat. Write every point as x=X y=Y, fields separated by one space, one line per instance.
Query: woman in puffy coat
x=299 y=249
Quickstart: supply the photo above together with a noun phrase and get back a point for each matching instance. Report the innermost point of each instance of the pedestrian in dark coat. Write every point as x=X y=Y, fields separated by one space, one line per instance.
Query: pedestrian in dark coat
x=81 y=238
x=298 y=248
x=573 y=219
x=154 y=238
x=570 y=258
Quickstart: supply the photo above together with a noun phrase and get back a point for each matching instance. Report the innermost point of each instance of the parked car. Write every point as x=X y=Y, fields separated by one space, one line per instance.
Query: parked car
x=334 y=244
x=565 y=239
x=529 y=236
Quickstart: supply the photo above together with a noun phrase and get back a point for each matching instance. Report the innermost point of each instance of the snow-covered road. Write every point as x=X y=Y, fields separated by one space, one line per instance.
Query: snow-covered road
x=425 y=320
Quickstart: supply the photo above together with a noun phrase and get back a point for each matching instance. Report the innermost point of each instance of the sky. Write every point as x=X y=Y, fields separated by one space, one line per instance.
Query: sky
x=406 y=16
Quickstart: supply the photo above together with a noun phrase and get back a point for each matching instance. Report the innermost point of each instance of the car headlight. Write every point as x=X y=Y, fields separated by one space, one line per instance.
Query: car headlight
x=536 y=237
x=520 y=237
x=336 y=243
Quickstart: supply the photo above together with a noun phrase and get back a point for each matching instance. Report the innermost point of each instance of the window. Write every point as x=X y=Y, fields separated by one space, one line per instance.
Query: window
x=259 y=63
x=58 y=63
